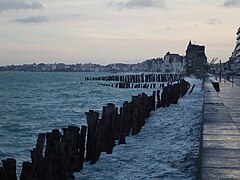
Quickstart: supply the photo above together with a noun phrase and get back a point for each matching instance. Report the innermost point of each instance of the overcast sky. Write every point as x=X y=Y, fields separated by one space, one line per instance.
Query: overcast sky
x=109 y=31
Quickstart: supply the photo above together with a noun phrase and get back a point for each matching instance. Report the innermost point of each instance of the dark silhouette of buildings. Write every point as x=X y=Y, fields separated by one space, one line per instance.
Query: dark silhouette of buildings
x=196 y=59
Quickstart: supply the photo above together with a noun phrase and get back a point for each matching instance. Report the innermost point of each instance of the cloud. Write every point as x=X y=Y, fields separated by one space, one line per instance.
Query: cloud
x=139 y=3
x=6 y=5
x=32 y=19
x=214 y=21
x=232 y=3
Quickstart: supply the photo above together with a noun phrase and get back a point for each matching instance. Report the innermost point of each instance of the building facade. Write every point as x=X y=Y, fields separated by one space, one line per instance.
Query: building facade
x=173 y=63
x=238 y=45
x=196 y=59
x=234 y=60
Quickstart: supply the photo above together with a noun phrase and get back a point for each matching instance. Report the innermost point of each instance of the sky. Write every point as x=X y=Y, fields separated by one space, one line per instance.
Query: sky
x=111 y=31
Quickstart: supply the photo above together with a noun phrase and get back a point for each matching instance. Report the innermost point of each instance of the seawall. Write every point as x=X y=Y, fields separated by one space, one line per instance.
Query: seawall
x=219 y=156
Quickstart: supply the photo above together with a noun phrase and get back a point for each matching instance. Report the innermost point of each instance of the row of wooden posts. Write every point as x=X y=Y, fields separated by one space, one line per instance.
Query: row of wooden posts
x=137 y=78
x=58 y=155
x=124 y=85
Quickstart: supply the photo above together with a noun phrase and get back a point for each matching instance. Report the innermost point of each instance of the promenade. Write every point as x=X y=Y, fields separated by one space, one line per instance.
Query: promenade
x=236 y=80
x=221 y=135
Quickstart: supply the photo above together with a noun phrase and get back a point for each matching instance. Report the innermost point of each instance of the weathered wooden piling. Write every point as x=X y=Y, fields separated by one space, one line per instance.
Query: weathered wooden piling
x=158 y=99
x=1 y=173
x=54 y=168
x=142 y=105
x=122 y=128
x=27 y=170
x=81 y=151
x=36 y=156
x=137 y=78
x=184 y=86
x=64 y=155
x=165 y=96
x=136 y=115
x=109 y=123
x=8 y=171
x=52 y=138
x=98 y=139
x=55 y=164
x=70 y=142
x=175 y=93
x=116 y=125
x=92 y=118
x=125 y=121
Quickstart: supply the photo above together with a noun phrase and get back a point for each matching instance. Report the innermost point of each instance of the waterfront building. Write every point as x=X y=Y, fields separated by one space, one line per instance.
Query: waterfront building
x=234 y=60
x=54 y=67
x=238 y=45
x=60 y=66
x=173 y=63
x=196 y=58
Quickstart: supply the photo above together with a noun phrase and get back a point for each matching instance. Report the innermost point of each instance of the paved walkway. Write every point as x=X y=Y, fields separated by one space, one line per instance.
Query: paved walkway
x=221 y=135
x=236 y=79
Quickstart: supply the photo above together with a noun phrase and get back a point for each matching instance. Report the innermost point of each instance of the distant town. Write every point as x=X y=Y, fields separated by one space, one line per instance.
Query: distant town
x=156 y=65
x=193 y=62
x=171 y=63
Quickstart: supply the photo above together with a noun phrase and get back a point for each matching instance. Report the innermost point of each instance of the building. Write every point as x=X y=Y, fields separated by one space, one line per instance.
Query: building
x=234 y=60
x=237 y=49
x=196 y=59
x=60 y=66
x=173 y=63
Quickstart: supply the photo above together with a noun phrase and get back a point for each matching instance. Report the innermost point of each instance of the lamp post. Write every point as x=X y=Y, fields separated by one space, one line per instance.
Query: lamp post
x=220 y=71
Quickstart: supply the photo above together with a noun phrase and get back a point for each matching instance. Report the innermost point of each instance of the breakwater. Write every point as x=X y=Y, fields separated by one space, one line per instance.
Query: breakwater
x=145 y=81
x=60 y=145
x=137 y=78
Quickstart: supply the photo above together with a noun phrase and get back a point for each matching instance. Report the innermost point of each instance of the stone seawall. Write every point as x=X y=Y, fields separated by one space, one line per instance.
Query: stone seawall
x=220 y=145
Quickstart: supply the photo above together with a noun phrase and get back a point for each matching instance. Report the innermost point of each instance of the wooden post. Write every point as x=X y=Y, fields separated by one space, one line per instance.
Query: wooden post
x=158 y=99
x=27 y=169
x=70 y=141
x=53 y=168
x=2 y=173
x=122 y=127
x=95 y=137
x=126 y=121
x=108 y=129
x=36 y=156
x=175 y=93
x=92 y=118
x=136 y=114
x=98 y=139
x=52 y=137
x=9 y=169
x=54 y=165
x=82 y=146
x=184 y=86
x=116 y=124
x=164 y=97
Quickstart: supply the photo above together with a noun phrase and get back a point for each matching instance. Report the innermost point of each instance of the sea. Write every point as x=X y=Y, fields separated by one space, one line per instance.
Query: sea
x=37 y=102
